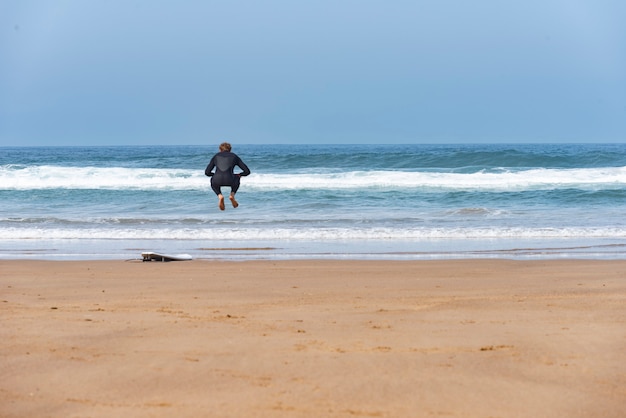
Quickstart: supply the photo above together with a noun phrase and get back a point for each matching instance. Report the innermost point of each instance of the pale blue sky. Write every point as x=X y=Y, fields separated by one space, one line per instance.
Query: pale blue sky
x=102 y=72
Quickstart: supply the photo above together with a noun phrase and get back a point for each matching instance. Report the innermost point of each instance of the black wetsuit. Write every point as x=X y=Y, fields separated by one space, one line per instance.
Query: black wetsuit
x=224 y=163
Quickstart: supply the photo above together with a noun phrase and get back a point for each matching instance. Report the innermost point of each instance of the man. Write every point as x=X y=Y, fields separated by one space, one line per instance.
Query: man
x=224 y=163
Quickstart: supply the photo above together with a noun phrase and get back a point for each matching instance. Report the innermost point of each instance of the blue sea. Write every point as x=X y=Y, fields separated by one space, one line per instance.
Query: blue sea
x=317 y=201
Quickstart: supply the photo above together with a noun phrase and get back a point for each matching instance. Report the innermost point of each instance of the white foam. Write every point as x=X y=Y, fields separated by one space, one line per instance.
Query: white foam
x=308 y=234
x=114 y=178
x=120 y=178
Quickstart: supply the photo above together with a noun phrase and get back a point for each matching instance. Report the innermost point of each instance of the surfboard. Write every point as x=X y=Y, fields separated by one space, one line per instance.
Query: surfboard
x=150 y=256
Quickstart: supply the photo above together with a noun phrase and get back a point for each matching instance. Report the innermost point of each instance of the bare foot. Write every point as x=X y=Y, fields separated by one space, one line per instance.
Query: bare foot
x=221 y=203
x=233 y=201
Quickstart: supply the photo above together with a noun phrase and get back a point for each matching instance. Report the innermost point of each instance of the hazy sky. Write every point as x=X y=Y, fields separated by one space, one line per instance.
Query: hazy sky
x=95 y=72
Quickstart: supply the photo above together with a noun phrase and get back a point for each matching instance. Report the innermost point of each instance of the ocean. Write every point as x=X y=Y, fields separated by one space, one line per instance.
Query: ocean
x=529 y=201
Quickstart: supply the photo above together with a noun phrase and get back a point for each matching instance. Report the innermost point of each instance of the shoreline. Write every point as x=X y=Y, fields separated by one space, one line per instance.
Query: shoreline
x=382 y=250
x=299 y=338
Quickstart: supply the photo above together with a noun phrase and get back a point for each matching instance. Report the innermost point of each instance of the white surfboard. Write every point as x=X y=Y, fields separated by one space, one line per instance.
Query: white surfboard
x=150 y=256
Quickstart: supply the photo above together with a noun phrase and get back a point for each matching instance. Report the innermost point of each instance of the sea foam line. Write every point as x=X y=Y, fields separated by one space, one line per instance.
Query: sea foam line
x=121 y=178
x=308 y=234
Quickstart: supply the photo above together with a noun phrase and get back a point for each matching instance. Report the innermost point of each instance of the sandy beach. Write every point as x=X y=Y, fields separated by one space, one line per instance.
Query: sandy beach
x=452 y=338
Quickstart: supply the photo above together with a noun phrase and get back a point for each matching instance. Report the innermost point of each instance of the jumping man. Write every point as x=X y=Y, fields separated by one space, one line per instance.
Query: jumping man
x=224 y=163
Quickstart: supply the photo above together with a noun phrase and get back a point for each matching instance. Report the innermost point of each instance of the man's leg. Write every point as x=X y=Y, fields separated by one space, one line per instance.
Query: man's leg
x=220 y=197
x=233 y=190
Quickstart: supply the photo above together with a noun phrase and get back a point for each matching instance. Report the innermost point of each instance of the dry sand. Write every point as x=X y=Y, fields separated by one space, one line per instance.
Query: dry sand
x=466 y=338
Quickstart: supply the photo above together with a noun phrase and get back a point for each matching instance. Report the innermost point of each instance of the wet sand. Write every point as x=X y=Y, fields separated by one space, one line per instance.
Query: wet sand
x=462 y=338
